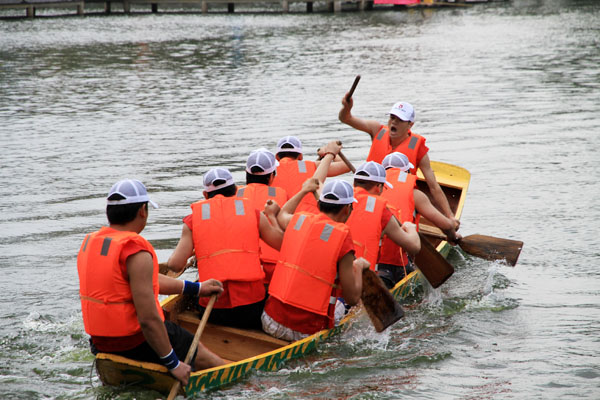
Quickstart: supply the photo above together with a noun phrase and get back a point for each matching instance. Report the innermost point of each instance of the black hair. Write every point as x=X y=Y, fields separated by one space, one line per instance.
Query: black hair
x=330 y=208
x=227 y=191
x=252 y=178
x=120 y=214
x=289 y=154
x=367 y=185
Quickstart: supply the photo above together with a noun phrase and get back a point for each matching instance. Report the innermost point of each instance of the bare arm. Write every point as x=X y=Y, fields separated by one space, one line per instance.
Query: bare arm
x=405 y=236
x=424 y=207
x=271 y=234
x=439 y=198
x=287 y=211
x=345 y=115
x=183 y=251
x=139 y=270
x=350 y=272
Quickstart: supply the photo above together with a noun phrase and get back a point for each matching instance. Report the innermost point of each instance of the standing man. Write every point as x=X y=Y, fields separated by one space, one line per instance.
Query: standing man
x=223 y=232
x=261 y=168
x=316 y=263
x=119 y=286
x=371 y=217
x=394 y=263
x=397 y=136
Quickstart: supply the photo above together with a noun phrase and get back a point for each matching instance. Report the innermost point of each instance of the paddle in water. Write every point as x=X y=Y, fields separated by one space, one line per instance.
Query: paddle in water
x=482 y=246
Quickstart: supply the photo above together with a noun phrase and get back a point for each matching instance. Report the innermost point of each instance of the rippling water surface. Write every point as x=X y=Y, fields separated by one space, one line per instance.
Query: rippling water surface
x=509 y=91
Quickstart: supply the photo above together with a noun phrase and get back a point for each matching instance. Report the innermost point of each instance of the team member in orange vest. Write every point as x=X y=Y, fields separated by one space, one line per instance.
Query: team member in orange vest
x=316 y=264
x=372 y=218
x=293 y=171
x=119 y=286
x=223 y=232
x=397 y=136
x=260 y=171
x=394 y=263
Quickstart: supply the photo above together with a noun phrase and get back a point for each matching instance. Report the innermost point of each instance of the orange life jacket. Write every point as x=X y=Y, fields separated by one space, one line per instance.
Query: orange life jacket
x=258 y=194
x=306 y=274
x=365 y=224
x=106 y=301
x=402 y=197
x=226 y=234
x=291 y=174
x=381 y=147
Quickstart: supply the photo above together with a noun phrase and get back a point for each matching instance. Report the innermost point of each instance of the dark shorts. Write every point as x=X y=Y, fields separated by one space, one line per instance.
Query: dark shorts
x=180 y=339
x=392 y=274
x=244 y=317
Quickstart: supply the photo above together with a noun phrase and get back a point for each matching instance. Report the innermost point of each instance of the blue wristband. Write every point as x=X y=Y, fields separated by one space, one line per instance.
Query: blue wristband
x=191 y=288
x=170 y=360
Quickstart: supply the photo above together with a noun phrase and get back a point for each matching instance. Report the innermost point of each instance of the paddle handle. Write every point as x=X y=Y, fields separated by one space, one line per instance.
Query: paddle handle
x=347 y=162
x=194 y=346
x=351 y=92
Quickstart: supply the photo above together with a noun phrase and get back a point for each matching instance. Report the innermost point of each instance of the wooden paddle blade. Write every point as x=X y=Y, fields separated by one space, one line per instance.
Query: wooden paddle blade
x=432 y=264
x=382 y=308
x=492 y=248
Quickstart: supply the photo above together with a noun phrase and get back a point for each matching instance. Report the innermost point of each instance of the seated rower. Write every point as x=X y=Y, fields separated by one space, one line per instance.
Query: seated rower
x=261 y=168
x=372 y=216
x=316 y=264
x=223 y=232
x=394 y=263
x=293 y=170
x=119 y=286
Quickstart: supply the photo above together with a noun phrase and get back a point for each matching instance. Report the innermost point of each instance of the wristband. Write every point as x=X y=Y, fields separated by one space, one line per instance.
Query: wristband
x=191 y=288
x=170 y=360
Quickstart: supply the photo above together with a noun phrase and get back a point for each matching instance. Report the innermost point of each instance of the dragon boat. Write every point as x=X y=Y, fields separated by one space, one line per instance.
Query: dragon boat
x=251 y=350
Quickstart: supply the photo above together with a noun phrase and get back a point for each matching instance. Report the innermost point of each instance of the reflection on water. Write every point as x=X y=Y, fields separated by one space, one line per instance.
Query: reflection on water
x=508 y=91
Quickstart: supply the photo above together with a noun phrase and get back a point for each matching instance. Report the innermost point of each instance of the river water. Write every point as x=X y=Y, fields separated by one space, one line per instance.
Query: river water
x=509 y=91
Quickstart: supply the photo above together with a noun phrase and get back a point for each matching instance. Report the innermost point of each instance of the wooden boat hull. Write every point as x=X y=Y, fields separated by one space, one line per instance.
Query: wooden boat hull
x=253 y=350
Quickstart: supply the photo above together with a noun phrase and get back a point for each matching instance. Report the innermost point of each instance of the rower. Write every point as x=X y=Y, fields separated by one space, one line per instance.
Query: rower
x=394 y=263
x=223 y=232
x=397 y=136
x=119 y=286
x=372 y=216
x=294 y=170
x=316 y=263
x=261 y=168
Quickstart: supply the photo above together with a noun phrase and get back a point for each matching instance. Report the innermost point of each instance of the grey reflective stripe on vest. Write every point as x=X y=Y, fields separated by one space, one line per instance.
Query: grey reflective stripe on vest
x=302 y=167
x=380 y=134
x=239 y=207
x=332 y=299
x=240 y=192
x=402 y=176
x=272 y=191
x=205 y=211
x=413 y=142
x=87 y=238
x=299 y=222
x=370 y=206
x=105 y=246
x=326 y=233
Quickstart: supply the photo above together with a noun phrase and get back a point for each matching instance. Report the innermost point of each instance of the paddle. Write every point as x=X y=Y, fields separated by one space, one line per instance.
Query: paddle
x=383 y=310
x=194 y=345
x=482 y=246
x=351 y=92
x=432 y=264
x=163 y=268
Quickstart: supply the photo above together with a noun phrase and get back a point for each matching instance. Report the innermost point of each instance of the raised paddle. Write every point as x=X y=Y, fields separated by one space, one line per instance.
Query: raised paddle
x=351 y=92
x=482 y=246
x=194 y=345
x=432 y=264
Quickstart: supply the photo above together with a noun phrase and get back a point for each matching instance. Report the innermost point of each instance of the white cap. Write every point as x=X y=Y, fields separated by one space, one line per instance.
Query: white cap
x=293 y=144
x=372 y=171
x=132 y=190
x=216 y=174
x=404 y=111
x=342 y=190
x=397 y=160
x=262 y=158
